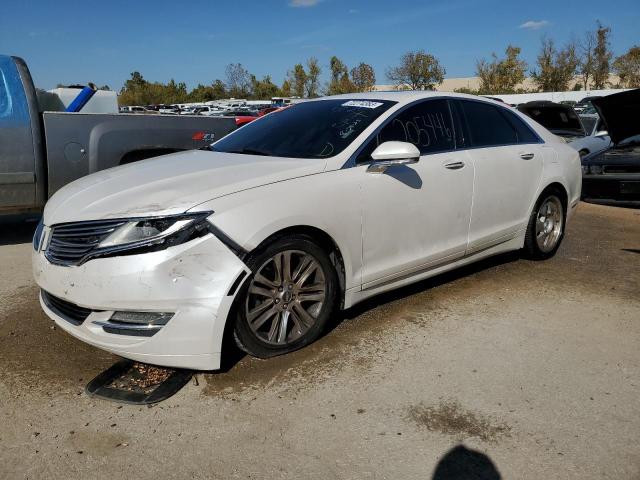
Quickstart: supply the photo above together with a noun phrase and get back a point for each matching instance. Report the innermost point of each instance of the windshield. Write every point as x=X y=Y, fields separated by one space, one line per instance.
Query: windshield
x=317 y=129
x=589 y=124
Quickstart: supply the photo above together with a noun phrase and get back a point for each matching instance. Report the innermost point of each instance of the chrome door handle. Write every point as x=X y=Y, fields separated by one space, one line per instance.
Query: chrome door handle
x=454 y=165
x=527 y=156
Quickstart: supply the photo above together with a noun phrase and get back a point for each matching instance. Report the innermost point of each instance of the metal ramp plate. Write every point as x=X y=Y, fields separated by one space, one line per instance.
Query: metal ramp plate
x=137 y=383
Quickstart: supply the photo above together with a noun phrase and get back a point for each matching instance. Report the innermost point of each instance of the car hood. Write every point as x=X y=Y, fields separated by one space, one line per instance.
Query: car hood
x=616 y=156
x=169 y=185
x=621 y=114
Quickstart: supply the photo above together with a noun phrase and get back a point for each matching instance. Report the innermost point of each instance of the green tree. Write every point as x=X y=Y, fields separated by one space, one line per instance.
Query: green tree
x=219 y=89
x=285 y=90
x=173 y=92
x=313 y=77
x=134 y=90
x=501 y=75
x=339 y=81
x=207 y=93
x=298 y=80
x=556 y=68
x=602 y=57
x=627 y=67
x=418 y=70
x=363 y=77
x=264 y=89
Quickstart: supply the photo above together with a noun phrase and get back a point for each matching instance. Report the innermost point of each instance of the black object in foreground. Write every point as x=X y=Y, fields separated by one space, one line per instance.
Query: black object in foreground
x=137 y=383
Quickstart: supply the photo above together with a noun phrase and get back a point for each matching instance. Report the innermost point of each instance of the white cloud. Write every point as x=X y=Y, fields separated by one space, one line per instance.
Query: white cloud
x=534 y=24
x=303 y=3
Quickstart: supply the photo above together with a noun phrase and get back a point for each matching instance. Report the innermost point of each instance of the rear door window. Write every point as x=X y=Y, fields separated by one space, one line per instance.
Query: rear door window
x=486 y=125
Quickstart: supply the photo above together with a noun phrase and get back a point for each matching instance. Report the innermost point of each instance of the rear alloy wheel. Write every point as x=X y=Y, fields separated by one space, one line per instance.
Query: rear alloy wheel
x=288 y=300
x=546 y=227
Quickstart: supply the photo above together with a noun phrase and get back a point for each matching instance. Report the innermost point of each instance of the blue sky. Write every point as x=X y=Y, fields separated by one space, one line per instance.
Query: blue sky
x=73 y=42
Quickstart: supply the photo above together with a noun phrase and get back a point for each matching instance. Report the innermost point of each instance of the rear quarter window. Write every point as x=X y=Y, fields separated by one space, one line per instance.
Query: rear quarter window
x=524 y=133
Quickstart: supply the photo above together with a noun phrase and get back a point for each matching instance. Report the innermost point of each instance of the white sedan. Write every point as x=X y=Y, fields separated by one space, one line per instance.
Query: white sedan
x=293 y=217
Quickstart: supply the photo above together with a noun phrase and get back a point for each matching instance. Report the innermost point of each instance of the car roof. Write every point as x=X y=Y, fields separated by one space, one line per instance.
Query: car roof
x=407 y=96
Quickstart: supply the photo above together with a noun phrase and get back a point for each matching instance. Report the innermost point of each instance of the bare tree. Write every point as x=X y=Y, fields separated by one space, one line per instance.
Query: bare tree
x=418 y=70
x=238 y=80
x=586 y=66
x=602 y=57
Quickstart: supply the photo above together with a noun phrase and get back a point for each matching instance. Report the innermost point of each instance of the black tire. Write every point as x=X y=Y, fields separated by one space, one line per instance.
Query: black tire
x=532 y=249
x=253 y=342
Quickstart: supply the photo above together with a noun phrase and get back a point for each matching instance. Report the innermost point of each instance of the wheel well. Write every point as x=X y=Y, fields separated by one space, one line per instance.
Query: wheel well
x=324 y=240
x=137 y=155
x=559 y=188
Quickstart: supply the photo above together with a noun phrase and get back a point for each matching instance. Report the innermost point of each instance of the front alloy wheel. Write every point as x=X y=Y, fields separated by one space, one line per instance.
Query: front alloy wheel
x=285 y=297
x=288 y=300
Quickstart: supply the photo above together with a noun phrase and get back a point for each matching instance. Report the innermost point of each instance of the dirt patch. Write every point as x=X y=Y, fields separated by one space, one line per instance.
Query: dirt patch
x=95 y=443
x=450 y=418
x=36 y=355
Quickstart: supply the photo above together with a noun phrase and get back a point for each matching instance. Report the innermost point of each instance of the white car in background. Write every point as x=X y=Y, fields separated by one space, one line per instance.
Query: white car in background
x=169 y=110
x=211 y=111
x=294 y=216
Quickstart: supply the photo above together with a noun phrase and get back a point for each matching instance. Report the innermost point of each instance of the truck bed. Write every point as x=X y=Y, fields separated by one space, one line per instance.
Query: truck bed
x=78 y=144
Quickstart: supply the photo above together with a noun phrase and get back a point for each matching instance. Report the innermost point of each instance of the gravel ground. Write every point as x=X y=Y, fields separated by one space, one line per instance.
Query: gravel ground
x=506 y=369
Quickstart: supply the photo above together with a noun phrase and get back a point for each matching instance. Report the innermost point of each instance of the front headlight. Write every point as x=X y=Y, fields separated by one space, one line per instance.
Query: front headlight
x=150 y=234
x=596 y=169
x=37 y=236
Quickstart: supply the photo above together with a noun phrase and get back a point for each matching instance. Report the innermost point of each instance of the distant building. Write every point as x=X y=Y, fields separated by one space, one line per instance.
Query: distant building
x=473 y=83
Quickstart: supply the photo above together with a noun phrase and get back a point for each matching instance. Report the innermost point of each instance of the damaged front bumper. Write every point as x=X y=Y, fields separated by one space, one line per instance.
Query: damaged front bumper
x=167 y=307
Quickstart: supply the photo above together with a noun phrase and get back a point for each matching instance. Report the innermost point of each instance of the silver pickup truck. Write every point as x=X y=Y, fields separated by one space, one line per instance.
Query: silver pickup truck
x=41 y=151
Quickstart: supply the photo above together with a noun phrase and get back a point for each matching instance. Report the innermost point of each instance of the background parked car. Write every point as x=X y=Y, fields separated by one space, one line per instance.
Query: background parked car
x=135 y=109
x=585 y=103
x=613 y=176
x=563 y=121
x=169 y=109
x=210 y=111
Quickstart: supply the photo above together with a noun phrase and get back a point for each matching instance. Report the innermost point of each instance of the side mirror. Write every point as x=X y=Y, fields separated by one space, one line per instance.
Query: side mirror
x=389 y=154
x=601 y=133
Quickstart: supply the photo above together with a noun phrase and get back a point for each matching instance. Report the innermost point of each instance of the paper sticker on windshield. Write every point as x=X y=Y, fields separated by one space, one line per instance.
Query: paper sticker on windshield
x=362 y=104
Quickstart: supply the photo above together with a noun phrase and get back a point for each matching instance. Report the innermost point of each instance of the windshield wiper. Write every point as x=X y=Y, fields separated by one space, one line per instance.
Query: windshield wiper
x=248 y=151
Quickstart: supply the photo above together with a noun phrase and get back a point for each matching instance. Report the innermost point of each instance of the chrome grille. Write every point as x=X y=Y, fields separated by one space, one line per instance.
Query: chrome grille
x=70 y=243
